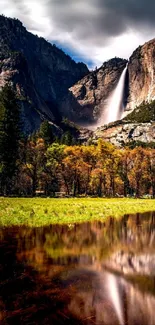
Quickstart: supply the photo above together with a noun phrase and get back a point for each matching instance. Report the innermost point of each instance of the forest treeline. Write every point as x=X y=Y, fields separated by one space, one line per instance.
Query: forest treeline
x=40 y=164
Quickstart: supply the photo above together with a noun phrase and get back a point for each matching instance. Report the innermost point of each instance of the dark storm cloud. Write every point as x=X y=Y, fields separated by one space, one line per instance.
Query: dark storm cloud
x=97 y=29
x=100 y=20
x=96 y=20
x=131 y=12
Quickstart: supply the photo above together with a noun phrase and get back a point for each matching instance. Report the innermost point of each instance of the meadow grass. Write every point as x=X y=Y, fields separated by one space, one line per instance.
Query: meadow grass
x=36 y=212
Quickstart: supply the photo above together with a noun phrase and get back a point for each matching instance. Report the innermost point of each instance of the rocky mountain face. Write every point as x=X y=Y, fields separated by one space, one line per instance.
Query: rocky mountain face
x=39 y=72
x=138 y=126
x=92 y=92
x=50 y=85
x=141 y=69
x=126 y=132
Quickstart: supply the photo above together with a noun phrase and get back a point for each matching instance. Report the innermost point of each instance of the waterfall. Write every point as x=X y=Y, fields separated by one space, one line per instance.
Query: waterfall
x=115 y=107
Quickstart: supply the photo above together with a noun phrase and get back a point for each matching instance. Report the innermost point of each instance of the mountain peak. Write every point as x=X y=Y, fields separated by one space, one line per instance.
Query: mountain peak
x=40 y=72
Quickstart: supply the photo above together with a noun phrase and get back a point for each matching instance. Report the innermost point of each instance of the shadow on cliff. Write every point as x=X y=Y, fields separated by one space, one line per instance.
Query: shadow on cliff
x=70 y=108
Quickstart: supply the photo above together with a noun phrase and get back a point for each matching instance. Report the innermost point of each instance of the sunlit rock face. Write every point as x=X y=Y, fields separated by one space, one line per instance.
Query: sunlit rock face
x=121 y=133
x=93 y=91
x=40 y=72
x=141 y=70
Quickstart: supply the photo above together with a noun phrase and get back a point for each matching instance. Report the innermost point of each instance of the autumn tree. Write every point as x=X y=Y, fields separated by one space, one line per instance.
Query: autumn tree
x=125 y=164
x=151 y=169
x=107 y=160
x=76 y=169
x=35 y=159
x=138 y=171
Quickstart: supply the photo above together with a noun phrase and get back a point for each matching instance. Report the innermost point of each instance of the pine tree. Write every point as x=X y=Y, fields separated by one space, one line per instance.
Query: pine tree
x=46 y=133
x=67 y=138
x=9 y=137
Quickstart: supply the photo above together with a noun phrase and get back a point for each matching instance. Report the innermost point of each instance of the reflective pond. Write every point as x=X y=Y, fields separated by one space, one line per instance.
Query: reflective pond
x=91 y=273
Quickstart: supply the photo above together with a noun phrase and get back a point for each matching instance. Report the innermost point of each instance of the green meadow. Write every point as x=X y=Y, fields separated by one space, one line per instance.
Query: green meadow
x=38 y=212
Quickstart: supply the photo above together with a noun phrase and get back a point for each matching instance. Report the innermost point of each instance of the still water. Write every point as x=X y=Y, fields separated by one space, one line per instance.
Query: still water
x=92 y=273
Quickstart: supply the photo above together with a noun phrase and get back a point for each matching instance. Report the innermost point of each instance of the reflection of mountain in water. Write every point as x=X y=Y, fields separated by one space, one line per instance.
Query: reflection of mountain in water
x=94 y=273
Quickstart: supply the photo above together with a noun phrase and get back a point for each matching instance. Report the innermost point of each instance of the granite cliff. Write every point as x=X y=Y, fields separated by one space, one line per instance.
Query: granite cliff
x=50 y=85
x=94 y=89
x=138 y=126
x=124 y=132
x=141 y=69
x=39 y=72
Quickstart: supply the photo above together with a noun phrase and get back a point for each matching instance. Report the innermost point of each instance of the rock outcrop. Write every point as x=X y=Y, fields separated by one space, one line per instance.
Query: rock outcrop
x=122 y=132
x=40 y=72
x=138 y=126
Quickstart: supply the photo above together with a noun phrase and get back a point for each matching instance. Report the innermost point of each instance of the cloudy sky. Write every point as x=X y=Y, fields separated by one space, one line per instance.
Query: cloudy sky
x=89 y=30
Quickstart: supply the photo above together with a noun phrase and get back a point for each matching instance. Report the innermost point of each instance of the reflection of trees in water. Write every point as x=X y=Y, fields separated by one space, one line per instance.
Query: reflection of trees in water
x=25 y=296
x=97 y=240
x=55 y=275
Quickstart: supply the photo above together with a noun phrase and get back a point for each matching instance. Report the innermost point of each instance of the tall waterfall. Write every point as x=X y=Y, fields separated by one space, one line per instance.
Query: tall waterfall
x=115 y=106
x=115 y=103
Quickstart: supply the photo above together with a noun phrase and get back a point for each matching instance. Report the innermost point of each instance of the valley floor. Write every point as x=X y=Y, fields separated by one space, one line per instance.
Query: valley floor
x=38 y=212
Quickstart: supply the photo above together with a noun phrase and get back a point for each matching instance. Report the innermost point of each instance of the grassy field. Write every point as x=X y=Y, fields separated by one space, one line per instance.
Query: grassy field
x=37 y=212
